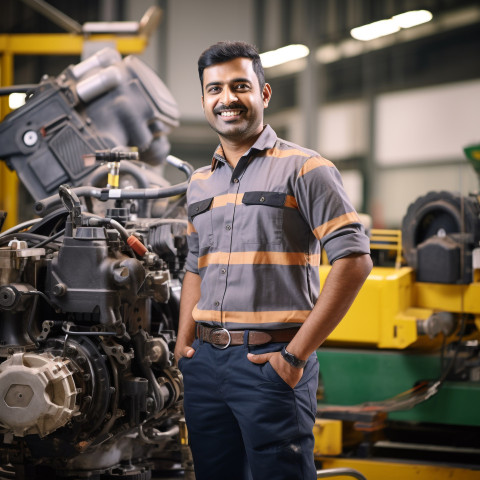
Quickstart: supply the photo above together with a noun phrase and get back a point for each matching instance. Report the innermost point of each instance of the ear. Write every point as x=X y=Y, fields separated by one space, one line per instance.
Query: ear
x=203 y=104
x=266 y=95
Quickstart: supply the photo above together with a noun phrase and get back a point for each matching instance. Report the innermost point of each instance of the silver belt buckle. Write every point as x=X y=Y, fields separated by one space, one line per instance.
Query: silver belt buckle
x=221 y=347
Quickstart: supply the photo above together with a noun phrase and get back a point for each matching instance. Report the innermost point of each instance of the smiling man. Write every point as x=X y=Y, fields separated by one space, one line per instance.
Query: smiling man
x=251 y=317
x=233 y=102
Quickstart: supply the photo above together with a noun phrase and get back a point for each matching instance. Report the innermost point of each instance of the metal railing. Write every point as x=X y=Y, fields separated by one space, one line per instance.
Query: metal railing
x=340 y=472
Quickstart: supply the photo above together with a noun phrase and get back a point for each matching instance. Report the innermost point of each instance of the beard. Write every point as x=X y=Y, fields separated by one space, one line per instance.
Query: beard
x=232 y=132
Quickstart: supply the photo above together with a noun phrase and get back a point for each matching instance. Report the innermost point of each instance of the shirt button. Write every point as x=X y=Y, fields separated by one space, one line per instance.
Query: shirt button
x=217 y=304
x=224 y=271
x=235 y=180
x=228 y=227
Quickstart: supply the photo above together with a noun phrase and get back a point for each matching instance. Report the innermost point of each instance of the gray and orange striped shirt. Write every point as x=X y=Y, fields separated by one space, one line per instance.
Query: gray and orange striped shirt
x=255 y=233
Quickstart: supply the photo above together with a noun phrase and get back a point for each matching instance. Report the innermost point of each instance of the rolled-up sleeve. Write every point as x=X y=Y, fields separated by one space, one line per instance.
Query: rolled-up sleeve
x=323 y=202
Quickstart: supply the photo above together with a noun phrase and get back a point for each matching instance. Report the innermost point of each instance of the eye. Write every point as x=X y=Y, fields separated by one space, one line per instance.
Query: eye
x=213 y=90
x=242 y=87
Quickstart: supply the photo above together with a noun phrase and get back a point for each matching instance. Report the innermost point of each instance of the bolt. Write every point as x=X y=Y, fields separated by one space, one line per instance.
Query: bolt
x=59 y=289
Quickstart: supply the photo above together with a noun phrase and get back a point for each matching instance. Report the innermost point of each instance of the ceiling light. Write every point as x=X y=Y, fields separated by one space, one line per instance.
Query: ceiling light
x=391 y=25
x=413 y=18
x=374 y=30
x=283 y=55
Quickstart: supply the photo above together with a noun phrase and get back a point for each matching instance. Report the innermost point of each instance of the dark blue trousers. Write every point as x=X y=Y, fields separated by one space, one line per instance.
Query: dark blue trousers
x=244 y=422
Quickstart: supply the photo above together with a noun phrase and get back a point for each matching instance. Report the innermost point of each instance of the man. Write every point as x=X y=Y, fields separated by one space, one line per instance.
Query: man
x=250 y=320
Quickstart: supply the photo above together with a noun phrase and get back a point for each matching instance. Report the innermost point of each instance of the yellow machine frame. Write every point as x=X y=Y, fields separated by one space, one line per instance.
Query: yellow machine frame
x=395 y=302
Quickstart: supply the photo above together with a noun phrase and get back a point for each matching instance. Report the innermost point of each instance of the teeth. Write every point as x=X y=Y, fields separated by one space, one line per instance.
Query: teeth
x=230 y=113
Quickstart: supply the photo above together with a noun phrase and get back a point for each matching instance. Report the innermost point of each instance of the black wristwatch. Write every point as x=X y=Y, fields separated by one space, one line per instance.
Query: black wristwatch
x=292 y=359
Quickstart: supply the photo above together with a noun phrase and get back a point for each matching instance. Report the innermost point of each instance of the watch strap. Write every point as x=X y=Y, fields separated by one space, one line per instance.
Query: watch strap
x=292 y=359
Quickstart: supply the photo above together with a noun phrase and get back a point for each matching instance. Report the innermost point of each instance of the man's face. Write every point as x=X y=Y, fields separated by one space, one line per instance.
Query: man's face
x=232 y=101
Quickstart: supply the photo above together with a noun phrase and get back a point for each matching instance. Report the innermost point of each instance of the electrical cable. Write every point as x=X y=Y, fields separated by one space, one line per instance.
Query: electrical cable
x=22 y=236
x=20 y=226
x=50 y=239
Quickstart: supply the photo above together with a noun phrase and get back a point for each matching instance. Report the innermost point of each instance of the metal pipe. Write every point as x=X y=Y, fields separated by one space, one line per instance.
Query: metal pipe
x=17 y=89
x=340 y=472
x=55 y=15
x=43 y=206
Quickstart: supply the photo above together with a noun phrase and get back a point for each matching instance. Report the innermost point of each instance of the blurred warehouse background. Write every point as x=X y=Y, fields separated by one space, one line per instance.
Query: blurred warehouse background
x=393 y=113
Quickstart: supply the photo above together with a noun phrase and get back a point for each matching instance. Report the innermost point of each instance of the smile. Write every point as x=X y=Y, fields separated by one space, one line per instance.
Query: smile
x=230 y=113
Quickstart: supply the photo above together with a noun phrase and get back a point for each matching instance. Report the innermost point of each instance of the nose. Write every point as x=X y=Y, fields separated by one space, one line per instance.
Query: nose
x=229 y=96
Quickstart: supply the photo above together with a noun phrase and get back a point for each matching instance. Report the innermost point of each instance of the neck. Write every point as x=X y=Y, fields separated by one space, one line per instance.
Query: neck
x=233 y=153
x=233 y=150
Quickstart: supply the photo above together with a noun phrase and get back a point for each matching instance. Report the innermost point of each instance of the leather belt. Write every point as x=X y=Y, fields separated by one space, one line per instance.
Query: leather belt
x=222 y=338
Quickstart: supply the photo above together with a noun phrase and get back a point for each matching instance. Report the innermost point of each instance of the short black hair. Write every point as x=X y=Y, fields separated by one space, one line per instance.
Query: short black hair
x=225 y=51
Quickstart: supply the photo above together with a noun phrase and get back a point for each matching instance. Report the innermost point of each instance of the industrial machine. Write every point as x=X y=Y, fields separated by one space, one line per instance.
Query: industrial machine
x=89 y=290
x=400 y=376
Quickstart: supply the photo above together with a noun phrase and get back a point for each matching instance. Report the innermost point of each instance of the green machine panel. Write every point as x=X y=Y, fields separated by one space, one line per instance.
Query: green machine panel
x=352 y=377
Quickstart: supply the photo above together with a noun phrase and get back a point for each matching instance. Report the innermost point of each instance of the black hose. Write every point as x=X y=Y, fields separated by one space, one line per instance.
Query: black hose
x=25 y=236
x=17 y=89
x=43 y=206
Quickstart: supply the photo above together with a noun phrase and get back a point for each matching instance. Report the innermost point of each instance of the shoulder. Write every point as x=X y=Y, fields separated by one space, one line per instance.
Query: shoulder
x=201 y=173
x=285 y=145
x=304 y=160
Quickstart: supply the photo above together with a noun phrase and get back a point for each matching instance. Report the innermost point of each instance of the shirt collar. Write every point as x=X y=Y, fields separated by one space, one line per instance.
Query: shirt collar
x=265 y=141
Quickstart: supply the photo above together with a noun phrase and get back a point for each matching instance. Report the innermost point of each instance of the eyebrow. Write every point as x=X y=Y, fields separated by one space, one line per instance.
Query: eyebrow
x=235 y=80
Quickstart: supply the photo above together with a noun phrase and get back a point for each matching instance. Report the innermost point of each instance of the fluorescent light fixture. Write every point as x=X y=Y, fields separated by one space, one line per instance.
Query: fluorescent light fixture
x=283 y=55
x=413 y=18
x=374 y=30
x=391 y=25
x=16 y=100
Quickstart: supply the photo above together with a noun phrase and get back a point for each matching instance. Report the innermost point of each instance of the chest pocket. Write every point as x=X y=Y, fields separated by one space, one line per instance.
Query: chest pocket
x=200 y=215
x=262 y=219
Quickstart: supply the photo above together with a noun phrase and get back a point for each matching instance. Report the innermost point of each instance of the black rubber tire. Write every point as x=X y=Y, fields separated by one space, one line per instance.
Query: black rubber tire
x=438 y=212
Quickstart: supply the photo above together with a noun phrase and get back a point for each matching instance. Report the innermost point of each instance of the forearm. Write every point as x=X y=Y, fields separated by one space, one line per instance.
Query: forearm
x=186 y=325
x=341 y=287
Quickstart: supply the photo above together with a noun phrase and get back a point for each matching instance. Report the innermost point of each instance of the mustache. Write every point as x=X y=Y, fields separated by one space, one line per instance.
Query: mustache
x=224 y=108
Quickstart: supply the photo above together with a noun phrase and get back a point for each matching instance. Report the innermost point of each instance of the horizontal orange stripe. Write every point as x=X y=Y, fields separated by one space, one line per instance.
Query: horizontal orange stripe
x=190 y=228
x=237 y=199
x=206 y=315
x=222 y=200
x=258 y=258
x=335 y=224
x=313 y=163
x=276 y=316
x=278 y=153
x=201 y=175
